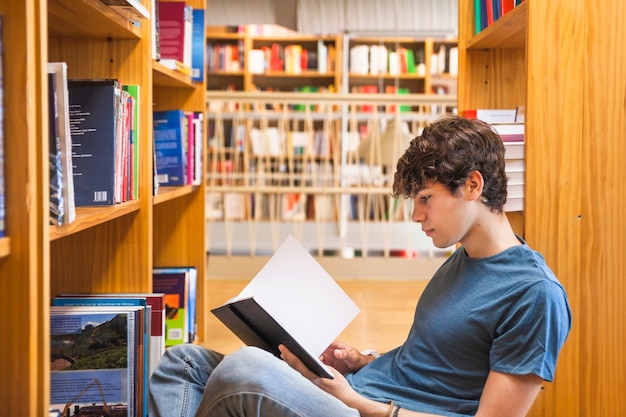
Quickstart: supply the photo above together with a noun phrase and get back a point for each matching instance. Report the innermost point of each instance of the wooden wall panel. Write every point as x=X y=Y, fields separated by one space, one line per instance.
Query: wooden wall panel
x=602 y=261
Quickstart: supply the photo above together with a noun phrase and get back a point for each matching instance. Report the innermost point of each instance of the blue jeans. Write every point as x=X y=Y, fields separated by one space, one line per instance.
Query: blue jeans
x=193 y=381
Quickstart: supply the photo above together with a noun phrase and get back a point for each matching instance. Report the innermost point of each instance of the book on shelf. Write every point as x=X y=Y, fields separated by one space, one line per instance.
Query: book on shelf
x=190 y=147
x=170 y=131
x=293 y=301
x=154 y=318
x=198 y=148
x=175 y=26
x=510 y=132
x=198 y=42
x=133 y=10
x=94 y=107
x=134 y=139
x=176 y=65
x=59 y=70
x=56 y=204
x=178 y=284
x=2 y=182
x=96 y=358
x=492 y=115
x=155 y=44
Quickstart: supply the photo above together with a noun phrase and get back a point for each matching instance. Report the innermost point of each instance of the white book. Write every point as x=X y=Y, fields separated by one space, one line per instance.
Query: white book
x=514 y=150
x=132 y=10
x=322 y=57
x=394 y=63
x=359 y=60
x=256 y=61
x=514 y=204
x=292 y=301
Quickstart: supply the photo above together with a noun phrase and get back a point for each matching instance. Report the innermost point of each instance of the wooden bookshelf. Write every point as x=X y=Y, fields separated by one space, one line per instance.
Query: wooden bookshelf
x=340 y=77
x=554 y=58
x=414 y=82
x=106 y=248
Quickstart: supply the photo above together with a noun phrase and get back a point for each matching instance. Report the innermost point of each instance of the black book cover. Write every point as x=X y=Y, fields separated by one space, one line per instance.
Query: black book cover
x=94 y=108
x=255 y=327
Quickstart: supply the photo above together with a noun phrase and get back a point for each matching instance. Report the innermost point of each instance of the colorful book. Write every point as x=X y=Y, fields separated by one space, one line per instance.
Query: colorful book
x=96 y=357
x=179 y=286
x=154 y=321
x=94 y=107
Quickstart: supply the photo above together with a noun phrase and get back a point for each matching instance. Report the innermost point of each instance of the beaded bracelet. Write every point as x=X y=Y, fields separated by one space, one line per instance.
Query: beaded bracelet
x=396 y=411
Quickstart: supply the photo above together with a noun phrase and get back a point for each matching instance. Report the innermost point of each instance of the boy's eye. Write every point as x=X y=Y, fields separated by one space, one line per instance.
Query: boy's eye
x=424 y=198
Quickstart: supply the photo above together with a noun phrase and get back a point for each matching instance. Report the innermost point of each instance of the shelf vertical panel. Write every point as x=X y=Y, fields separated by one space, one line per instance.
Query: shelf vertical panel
x=554 y=120
x=178 y=224
x=24 y=357
x=603 y=209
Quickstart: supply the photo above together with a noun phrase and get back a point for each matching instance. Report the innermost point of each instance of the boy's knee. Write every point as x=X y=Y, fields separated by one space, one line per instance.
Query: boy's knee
x=250 y=366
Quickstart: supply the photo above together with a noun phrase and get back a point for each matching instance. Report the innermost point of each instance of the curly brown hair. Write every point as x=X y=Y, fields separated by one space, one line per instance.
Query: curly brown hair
x=446 y=152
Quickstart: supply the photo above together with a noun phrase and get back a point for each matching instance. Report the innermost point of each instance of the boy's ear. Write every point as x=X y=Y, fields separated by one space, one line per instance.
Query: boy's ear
x=474 y=185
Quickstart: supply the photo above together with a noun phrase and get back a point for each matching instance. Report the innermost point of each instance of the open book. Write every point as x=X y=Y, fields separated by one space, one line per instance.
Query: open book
x=291 y=301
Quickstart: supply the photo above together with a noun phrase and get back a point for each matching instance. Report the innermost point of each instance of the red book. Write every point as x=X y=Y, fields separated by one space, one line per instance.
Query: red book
x=172 y=17
x=507 y=6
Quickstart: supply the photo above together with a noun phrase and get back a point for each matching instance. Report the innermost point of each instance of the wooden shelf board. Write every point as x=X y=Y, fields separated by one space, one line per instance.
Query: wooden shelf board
x=87 y=217
x=304 y=74
x=290 y=39
x=165 y=77
x=223 y=73
x=171 y=193
x=508 y=32
x=89 y=18
x=212 y=37
x=404 y=76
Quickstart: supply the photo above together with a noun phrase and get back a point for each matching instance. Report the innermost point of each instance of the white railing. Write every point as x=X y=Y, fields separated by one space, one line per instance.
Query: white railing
x=315 y=165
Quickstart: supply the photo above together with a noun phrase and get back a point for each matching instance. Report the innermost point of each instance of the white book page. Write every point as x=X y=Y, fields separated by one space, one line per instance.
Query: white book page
x=302 y=297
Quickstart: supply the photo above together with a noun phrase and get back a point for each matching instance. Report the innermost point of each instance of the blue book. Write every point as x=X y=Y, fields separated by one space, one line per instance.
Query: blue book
x=197 y=46
x=169 y=147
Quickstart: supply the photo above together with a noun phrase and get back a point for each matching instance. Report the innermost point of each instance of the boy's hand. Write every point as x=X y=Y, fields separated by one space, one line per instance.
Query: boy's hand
x=344 y=358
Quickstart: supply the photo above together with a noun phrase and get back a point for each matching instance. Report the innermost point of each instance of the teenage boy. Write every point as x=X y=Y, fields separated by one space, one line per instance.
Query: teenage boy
x=486 y=333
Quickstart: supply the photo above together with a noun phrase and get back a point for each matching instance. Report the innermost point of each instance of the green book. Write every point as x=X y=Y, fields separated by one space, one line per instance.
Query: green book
x=404 y=107
x=410 y=61
x=478 y=16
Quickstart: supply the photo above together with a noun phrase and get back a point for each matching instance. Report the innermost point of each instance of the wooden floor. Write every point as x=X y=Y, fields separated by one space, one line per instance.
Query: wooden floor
x=386 y=313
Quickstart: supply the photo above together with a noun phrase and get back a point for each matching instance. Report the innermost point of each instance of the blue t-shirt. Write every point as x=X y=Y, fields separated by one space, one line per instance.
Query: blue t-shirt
x=506 y=313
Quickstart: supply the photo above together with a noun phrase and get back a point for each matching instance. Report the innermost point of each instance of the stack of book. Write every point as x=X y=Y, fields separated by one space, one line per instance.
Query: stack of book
x=104 y=348
x=509 y=123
